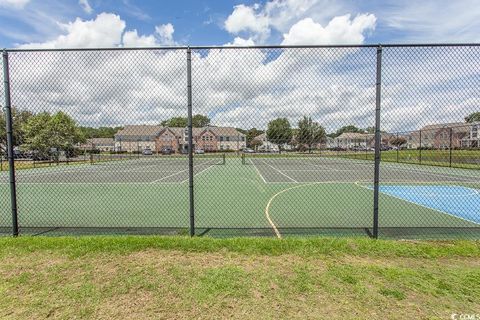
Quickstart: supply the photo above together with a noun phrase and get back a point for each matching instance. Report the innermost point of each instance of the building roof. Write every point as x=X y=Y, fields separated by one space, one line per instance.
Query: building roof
x=101 y=141
x=457 y=126
x=224 y=131
x=98 y=142
x=150 y=130
x=178 y=132
x=261 y=137
x=353 y=135
x=139 y=130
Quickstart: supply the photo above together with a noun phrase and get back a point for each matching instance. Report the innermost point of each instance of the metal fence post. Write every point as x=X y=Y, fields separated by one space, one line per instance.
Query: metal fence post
x=9 y=127
x=420 y=148
x=450 y=149
x=378 y=137
x=190 y=142
x=398 y=148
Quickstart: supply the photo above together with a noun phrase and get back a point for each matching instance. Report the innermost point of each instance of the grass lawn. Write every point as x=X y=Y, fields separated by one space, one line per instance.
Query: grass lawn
x=179 y=277
x=468 y=159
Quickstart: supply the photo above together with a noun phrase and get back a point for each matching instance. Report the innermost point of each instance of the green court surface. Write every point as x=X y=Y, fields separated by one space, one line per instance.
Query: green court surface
x=270 y=196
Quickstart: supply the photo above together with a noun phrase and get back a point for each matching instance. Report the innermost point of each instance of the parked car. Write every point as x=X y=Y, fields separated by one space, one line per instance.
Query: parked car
x=358 y=148
x=166 y=150
x=34 y=155
x=248 y=150
x=147 y=152
x=199 y=151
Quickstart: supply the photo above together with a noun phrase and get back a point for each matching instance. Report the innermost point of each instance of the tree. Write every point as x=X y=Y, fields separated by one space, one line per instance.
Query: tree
x=309 y=132
x=45 y=131
x=251 y=134
x=473 y=117
x=370 y=129
x=198 y=121
x=279 y=132
x=19 y=117
x=101 y=132
x=180 y=122
x=398 y=141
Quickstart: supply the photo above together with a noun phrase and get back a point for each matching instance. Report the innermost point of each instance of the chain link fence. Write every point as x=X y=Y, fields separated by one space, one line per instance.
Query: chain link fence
x=378 y=141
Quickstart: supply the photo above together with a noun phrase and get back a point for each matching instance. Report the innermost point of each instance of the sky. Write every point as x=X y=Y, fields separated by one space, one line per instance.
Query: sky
x=244 y=88
x=46 y=23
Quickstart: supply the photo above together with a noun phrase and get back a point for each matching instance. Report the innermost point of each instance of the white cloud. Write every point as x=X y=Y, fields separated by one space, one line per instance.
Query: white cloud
x=15 y=4
x=238 y=41
x=340 y=30
x=104 y=31
x=244 y=18
x=433 y=20
x=165 y=34
x=132 y=39
x=294 y=18
x=85 y=6
x=282 y=14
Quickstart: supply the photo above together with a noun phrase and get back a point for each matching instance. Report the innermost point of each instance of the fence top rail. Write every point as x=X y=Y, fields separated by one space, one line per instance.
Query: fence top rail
x=387 y=45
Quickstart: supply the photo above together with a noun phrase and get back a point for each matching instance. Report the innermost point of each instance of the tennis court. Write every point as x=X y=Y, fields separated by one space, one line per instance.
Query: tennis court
x=257 y=195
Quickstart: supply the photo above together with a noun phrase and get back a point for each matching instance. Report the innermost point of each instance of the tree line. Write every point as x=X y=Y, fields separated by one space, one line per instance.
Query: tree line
x=44 y=131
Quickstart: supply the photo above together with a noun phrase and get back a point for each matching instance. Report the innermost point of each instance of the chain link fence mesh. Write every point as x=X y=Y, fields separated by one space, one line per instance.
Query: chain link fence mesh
x=283 y=141
x=429 y=183
x=5 y=214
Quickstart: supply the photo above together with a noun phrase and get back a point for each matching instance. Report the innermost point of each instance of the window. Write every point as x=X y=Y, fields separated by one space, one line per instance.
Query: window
x=221 y=138
x=243 y=138
x=227 y=138
x=475 y=132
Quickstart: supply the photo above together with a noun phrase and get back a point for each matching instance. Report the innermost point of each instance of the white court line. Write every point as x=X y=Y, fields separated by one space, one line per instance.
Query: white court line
x=155 y=181
x=121 y=171
x=137 y=167
x=318 y=170
x=458 y=176
x=313 y=182
x=418 y=204
x=198 y=173
x=280 y=172
x=19 y=183
x=258 y=171
x=88 y=171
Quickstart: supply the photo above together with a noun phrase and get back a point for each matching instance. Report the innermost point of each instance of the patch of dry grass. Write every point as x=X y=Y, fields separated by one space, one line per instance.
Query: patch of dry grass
x=175 y=284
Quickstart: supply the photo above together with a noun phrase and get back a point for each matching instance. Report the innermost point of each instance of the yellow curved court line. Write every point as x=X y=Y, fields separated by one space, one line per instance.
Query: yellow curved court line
x=267 y=208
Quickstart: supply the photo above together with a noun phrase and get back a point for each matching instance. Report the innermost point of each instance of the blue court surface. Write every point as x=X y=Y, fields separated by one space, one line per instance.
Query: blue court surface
x=457 y=201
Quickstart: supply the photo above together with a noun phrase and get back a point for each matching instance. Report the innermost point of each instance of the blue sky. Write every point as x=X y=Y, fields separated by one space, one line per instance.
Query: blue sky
x=208 y=22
